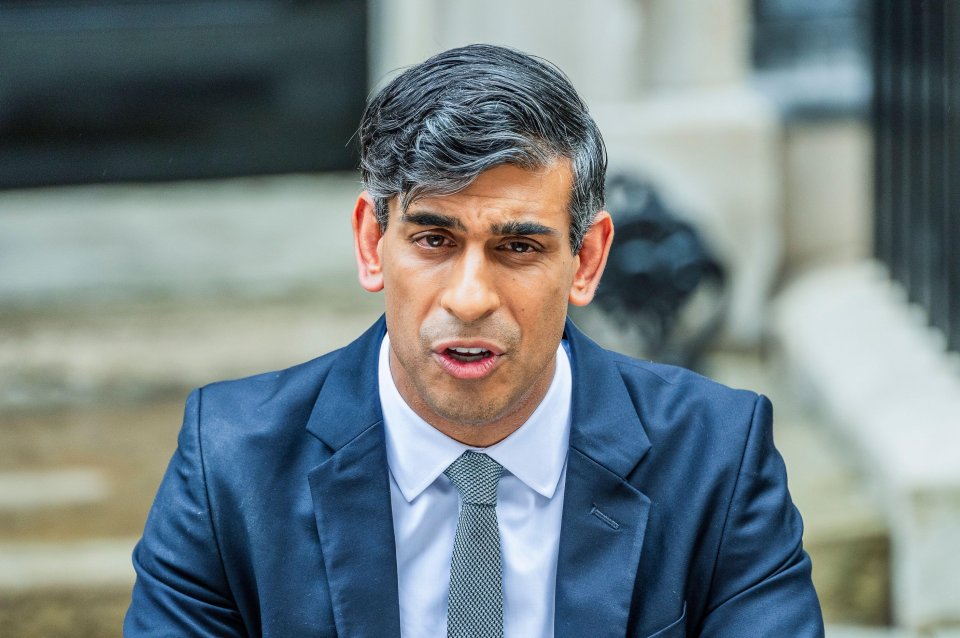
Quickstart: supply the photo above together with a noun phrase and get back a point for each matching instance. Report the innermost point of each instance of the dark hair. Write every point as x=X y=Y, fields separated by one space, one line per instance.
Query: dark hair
x=435 y=127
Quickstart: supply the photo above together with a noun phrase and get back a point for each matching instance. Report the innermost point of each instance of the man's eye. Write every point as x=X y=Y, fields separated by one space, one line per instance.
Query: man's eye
x=519 y=247
x=432 y=241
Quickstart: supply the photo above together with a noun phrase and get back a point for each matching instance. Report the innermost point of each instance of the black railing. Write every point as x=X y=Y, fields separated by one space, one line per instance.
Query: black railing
x=917 y=142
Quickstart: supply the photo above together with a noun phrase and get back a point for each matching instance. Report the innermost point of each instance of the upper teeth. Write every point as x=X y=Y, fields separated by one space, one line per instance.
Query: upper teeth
x=468 y=350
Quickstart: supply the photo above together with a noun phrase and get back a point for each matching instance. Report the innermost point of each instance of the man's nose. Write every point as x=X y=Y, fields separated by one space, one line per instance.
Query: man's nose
x=470 y=293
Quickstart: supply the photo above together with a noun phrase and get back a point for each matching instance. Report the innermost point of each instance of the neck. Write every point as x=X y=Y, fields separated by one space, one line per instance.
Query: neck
x=481 y=432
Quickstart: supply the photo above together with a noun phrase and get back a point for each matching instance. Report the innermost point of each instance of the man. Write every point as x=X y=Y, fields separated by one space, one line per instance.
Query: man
x=473 y=465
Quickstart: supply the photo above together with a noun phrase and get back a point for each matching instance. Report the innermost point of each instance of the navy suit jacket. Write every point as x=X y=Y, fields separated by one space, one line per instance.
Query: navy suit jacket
x=274 y=516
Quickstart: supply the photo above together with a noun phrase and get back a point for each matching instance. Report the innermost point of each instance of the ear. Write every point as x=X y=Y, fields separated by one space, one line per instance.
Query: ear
x=366 y=243
x=593 y=258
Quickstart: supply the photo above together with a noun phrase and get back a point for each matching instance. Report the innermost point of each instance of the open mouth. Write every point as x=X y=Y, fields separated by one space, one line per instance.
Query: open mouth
x=468 y=355
x=468 y=361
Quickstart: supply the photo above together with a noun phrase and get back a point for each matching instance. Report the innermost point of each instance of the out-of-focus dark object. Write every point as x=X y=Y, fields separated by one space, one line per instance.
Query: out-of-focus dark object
x=661 y=284
x=916 y=127
x=812 y=57
x=108 y=90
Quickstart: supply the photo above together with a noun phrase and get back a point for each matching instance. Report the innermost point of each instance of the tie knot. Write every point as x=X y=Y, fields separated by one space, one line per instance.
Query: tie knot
x=475 y=476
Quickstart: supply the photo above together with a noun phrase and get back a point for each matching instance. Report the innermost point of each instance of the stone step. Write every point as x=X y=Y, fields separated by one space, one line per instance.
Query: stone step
x=246 y=237
x=848 y=631
x=79 y=589
x=892 y=391
x=33 y=565
x=139 y=351
x=64 y=612
x=38 y=489
x=86 y=472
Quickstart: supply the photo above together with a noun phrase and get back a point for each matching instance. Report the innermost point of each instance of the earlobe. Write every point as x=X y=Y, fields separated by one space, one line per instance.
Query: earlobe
x=592 y=259
x=366 y=241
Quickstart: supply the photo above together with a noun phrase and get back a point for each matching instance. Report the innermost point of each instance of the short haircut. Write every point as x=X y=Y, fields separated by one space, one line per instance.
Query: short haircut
x=435 y=127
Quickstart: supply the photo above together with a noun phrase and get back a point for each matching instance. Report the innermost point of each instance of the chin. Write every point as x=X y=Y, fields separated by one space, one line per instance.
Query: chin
x=473 y=415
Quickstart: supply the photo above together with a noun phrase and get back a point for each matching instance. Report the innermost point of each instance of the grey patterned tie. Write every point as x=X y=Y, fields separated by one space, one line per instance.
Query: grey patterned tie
x=476 y=598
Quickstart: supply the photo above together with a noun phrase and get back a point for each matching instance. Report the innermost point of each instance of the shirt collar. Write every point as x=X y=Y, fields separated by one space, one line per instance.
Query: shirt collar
x=535 y=453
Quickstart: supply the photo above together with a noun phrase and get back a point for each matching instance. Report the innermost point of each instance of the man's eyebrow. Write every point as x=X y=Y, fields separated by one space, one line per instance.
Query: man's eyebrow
x=425 y=218
x=522 y=228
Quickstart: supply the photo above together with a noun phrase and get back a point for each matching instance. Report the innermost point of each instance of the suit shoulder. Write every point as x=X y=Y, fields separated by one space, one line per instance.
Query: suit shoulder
x=265 y=400
x=270 y=383
x=671 y=375
x=668 y=397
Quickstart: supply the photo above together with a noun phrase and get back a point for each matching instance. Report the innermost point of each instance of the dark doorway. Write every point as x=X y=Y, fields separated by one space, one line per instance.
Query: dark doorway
x=119 y=90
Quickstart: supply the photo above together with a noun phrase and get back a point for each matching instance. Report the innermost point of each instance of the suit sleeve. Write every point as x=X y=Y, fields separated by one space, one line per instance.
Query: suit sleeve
x=181 y=588
x=761 y=584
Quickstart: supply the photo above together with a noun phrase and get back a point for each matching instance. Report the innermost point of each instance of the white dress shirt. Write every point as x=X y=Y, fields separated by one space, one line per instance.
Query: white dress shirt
x=426 y=506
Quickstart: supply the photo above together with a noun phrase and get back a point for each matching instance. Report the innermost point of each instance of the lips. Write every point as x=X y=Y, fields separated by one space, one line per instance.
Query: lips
x=468 y=355
x=468 y=360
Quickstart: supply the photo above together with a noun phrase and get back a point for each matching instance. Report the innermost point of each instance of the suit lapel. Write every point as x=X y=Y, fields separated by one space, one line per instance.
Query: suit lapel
x=351 y=494
x=604 y=516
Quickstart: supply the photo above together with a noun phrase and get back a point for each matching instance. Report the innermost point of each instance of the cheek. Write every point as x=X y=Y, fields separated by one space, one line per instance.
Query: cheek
x=410 y=296
x=542 y=310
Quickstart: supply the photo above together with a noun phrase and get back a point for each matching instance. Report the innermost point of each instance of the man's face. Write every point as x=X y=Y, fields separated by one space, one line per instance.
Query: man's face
x=476 y=287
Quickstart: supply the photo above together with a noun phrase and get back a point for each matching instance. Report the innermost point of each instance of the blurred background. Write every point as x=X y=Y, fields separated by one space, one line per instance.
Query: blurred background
x=177 y=178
